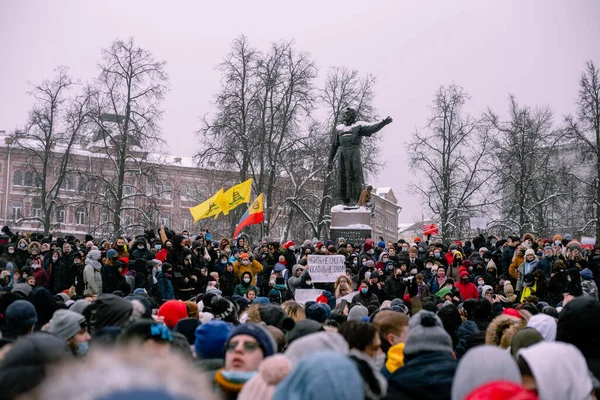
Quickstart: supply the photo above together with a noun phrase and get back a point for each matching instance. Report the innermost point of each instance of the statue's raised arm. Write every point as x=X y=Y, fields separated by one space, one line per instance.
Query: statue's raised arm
x=347 y=141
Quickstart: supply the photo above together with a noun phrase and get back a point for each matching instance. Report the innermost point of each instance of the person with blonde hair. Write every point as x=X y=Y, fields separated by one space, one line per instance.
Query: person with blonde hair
x=294 y=310
x=342 y=286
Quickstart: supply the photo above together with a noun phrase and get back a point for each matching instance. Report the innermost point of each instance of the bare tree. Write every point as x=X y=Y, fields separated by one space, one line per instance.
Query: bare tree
x=529 y=175
x=126 y=107
x=450 y=157
x=344 y=88
x=52 y=131
x=264 y=98
x=584 y=130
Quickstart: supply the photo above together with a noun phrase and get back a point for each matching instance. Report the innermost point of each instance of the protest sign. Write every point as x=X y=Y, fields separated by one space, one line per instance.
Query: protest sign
x=478 y=223
x=588 y=242
x=347 y=297
x=303 y=295
x=326 y=268
x=430 y=229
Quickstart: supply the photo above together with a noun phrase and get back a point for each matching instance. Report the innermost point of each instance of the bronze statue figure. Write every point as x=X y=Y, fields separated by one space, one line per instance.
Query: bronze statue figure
x=348 y=135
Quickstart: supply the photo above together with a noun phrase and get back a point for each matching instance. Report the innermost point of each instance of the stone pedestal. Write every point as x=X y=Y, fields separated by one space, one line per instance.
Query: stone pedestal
x=351 y=223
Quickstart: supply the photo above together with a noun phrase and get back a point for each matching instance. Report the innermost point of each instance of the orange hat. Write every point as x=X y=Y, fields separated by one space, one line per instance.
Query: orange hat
x=556 y=237
x=417 y=240
x=244 y=255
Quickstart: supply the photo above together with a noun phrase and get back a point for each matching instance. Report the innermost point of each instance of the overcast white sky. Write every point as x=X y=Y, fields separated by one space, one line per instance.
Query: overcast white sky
x=533 y=49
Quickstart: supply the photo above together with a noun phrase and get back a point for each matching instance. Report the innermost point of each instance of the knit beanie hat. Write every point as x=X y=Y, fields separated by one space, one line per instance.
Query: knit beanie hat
x=586 y=274
x=302 y=328
x=271 y=371
x=22 y=288
x=187 y=327
x=224 y=309
x=357 y=313
x=530 y=252
x=79 y=306
x=426 y=333
x=65 y=324
x=274 y=315
x=262 y=336
x=172 y=311
x=508 y=288
x=21 y=314
x=319 y=312
x=398 y=305
x=211 y=338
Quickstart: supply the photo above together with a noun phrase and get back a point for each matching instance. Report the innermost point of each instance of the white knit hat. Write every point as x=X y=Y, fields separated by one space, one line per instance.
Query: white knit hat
x=271 y=371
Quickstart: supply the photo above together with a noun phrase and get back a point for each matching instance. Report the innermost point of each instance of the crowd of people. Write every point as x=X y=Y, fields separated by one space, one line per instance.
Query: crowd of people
x=168 y=315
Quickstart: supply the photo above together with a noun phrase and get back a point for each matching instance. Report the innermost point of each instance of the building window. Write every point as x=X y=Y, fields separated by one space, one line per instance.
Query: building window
x=104 y=217
x=183 y=191
x=127 y=190
x=18 y=178
x=186 y=224
x=36 y=209
x=69 y=183
x=28 y=179
x=80 y=216
x=167 y=191
x=61 y=215
x=17 y=210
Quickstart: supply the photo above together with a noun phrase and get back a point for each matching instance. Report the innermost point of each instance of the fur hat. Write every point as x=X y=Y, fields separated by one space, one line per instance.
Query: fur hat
x=498 y=332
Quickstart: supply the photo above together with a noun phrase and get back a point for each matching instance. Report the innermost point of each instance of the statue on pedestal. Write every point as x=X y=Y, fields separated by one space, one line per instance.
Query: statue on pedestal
x=347 y=140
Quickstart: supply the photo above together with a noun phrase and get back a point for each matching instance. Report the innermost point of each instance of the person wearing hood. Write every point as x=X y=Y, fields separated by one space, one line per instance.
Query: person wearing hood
x=245 y=285
x=245 y=265
x=394 y=286
x=141 y=251
x=10 y=255
x=247 y=346
x=325 y=375
x=538 y=366
x=546 y=264
x=545 y=325
x=92 y=275
x=42 y=279
x=56 y=269
x=508 y=298
x=289 y=253
x=429 y=363
x=558 y=284
x=72 y=328
x=228 y=280
x=527 y=267
x=164 y=286
x=588 y=285
x=342 y=286
x=295 y=280
x=467 y=289
x=482 y=365
x=365 y=295
x=579 y=324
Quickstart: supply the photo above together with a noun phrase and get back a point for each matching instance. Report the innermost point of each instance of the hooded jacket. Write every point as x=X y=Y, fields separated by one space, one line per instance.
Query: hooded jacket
x=482 y=365
x=92 y=275
x=295 y=282
x=467 y=290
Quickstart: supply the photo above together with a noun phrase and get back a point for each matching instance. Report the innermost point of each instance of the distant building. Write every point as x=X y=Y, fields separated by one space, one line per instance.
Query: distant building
x=386 y=215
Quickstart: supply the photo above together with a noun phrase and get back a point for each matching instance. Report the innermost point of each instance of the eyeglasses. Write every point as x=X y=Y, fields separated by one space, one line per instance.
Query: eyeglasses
x=248 y=346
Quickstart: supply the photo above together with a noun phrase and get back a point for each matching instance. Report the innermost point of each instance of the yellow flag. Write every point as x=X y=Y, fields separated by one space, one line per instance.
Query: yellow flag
x=209 y=207
x=236 y=195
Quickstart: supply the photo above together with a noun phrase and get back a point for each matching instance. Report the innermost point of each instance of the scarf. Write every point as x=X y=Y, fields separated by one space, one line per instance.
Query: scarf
x=441 y=280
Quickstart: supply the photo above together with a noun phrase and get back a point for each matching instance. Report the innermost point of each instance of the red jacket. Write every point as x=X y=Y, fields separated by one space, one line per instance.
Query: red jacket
x=467 y=290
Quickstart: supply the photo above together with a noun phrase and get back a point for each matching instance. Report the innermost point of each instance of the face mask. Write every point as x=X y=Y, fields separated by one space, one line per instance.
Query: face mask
x=157 y=247
x=390 y=267
x=557 y=242
x=355 y=262
x=428 y=266
x=569 y=278
x=224 y=261
x=245 y=262
x=364 y=290
x=23 y=246
x=413 y=271
x=120 y=247
x=371 y=251
x=404 y=250
x=140 y=247
x=449 y=287
x=54 y=258
x=480 y=283
x=24 y=276
x=169 y=274
x=35 y=266
x=539 y=253
x=82 y=348
x=436 y=255
x=379 y=361
x=247 y=280
x=487 y=260
x=501 y=283
x=292 y=248
x=11 y=251
x=309 y=282
x=188 y=258
x=238 y=376
x=464 y=279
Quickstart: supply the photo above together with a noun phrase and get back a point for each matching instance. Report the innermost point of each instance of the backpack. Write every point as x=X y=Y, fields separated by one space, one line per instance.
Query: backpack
x=80 y=283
